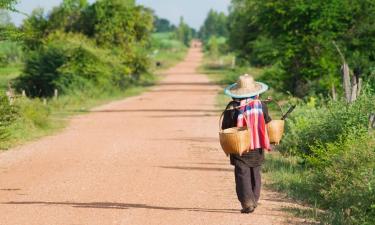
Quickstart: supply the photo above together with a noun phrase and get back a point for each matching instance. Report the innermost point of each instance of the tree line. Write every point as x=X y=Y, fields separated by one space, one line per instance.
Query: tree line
x=297 y=39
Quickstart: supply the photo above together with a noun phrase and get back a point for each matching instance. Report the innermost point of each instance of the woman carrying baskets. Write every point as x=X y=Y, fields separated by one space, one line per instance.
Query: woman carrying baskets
x=246 y=110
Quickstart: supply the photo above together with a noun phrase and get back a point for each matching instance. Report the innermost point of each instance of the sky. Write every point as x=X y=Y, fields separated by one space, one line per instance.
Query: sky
x=193 y=11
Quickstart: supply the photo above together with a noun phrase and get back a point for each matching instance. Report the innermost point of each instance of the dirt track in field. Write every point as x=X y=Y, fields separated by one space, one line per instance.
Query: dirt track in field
x=150 y=159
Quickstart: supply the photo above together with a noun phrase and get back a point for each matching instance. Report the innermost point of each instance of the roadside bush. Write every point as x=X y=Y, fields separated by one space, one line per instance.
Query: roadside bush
x=69 y=61
x=41 y=71
x=311 y=124
x=344 y=175
x=8 y=114
x=34 y=112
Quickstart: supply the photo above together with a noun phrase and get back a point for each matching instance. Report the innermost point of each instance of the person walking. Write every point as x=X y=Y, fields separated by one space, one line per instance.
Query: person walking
x=247 y=110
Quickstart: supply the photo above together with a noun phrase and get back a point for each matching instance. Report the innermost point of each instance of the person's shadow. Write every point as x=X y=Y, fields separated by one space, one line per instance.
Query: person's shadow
x=114 y=205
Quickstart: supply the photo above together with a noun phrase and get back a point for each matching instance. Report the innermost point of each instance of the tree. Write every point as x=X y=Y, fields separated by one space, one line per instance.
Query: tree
x=66 y=15
x=301 y=33
x=117 y=22
x=163 y=25
x=34 y=29
x=214 y=25
x=184 y=33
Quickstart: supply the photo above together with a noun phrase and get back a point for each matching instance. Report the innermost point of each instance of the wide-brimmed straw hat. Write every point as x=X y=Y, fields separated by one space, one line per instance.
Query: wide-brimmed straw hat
x=245 y=87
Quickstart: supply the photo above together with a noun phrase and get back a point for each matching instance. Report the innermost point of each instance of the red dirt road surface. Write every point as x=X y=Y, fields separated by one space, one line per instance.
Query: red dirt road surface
x=150 y=159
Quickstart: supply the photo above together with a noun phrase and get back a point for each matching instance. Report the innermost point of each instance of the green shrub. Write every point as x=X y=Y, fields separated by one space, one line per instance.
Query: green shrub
x=68 y=61
x=8 y=114
x=344 y=175
x=311 y=124
x=34 y=112
x=338 y=152
x=41 y=71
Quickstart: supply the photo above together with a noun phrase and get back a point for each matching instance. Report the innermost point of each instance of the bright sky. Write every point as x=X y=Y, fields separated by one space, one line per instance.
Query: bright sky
x=194 y=11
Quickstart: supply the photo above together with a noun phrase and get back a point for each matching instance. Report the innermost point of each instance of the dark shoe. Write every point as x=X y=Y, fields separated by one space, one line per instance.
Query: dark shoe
x=247 y=210
x=247 y=207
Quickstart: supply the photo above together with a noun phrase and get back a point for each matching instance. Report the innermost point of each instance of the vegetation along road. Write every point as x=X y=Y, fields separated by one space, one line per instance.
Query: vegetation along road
x=150 y=159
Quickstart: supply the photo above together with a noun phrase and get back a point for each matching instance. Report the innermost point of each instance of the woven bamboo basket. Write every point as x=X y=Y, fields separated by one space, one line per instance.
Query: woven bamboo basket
x=275 y=129
x=235 y=140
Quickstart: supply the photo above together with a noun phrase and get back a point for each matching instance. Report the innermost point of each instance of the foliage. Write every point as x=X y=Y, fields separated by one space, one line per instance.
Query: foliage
x=107 y=50
x=65 y=17
x=69 y=61
x=120 y=23
x=214 y=25
x=41 y=70
x=312 y=124
x=8 y=4
x=337 y=153
x=344 y=175
x=10 y=53
x=34 y=28
x=8 y=114
x=299 y=35
x=216 y=46
x=166 y=40
x=34 y=112
x=184 y=33
x=162 y=25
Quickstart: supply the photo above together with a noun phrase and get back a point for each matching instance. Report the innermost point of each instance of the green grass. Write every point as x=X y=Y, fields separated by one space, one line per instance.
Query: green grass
x=7 y=74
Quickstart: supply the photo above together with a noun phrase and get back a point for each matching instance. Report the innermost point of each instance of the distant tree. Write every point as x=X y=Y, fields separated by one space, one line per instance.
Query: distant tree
x=184 y=33
x=214 y=25
x=163 y=25
x=34 y=29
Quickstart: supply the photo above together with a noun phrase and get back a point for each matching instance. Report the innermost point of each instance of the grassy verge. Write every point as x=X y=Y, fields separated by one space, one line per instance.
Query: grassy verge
x=41 y=117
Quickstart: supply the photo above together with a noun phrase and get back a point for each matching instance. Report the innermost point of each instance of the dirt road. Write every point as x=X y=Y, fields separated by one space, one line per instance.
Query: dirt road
x=150 y=159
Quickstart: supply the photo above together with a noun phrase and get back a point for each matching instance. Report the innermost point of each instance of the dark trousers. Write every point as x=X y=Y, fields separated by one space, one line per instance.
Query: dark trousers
x=248 y=184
